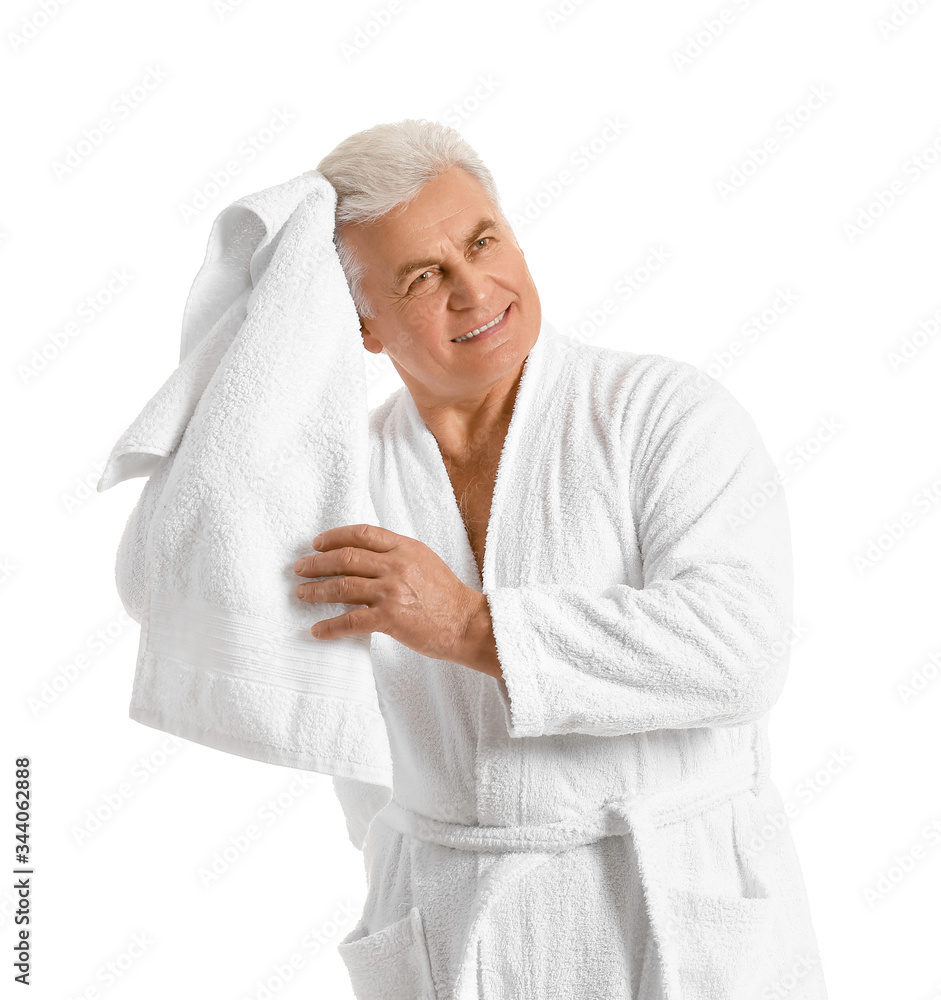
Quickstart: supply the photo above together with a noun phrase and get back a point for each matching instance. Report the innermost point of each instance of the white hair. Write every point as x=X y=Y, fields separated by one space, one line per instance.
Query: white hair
x=380 y=168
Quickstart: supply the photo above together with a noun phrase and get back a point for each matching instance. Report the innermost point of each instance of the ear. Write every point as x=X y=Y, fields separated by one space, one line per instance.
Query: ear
x=369 y=341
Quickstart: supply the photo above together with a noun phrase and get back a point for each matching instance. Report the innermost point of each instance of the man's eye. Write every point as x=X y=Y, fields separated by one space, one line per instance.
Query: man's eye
x=483 y=239
x=418 y=280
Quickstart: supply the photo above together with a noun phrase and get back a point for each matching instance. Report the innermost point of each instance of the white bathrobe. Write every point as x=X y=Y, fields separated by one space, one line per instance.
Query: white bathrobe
x=593 y=825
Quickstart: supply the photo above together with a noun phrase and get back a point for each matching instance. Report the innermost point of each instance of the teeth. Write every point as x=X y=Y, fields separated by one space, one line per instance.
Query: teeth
x=480 y=329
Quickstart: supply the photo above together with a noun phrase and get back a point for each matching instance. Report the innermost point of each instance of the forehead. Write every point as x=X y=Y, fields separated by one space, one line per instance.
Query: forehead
x=445 y=210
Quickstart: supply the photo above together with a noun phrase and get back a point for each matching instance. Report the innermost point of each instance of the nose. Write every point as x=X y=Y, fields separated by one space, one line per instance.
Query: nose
x=469 y=286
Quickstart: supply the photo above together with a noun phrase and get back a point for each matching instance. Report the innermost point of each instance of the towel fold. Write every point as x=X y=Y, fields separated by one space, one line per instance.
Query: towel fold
x=258 y=441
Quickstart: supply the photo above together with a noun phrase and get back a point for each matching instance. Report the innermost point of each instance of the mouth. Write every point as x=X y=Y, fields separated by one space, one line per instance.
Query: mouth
x=487 y=329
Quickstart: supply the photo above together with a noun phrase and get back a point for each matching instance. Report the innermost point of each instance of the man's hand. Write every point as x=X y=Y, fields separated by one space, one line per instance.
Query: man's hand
x=409 y=591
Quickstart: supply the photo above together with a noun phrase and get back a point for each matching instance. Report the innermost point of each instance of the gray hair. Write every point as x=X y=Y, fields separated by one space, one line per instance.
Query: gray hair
x=385 y=166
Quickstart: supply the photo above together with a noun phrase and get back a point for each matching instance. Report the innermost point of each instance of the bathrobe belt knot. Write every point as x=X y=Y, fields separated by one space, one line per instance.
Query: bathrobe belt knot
x=635 y=817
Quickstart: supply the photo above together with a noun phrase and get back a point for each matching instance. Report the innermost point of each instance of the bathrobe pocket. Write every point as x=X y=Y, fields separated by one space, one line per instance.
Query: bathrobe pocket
x=717 y=944
x=711 y=909
x=391 y=963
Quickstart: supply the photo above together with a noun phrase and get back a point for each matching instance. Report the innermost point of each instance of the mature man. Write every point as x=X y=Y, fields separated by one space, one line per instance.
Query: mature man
x=577 y=621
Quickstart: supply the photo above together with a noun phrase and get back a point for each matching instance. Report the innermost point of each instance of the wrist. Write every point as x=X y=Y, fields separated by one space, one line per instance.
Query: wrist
x=480 y=647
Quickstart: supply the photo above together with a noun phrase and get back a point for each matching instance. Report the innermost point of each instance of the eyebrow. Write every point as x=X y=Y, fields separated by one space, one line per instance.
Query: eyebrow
x=421 y=264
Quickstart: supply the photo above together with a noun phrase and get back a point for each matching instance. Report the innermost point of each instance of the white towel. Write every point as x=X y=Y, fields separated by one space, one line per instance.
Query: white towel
x=257 y=442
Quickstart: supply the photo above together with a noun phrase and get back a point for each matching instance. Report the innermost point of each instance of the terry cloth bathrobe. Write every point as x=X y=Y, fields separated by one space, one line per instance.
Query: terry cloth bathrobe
x=594 y=824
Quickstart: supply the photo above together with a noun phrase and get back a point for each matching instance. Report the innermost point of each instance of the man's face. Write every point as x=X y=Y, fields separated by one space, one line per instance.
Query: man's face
x=441 y=267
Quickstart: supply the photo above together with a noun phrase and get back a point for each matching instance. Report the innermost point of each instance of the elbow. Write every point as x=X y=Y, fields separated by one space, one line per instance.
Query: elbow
x=751 y=703
x=756 y=677
x=758 y=649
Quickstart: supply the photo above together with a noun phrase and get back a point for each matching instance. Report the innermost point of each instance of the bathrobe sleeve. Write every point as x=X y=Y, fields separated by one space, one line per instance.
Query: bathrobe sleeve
x=703 y=642
x=360 y=801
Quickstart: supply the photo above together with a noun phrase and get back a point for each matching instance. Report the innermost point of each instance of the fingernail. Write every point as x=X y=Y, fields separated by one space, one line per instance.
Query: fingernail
x=317 y=541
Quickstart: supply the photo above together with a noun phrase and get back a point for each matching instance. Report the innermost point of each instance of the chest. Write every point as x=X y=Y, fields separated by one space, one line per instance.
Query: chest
x=473 y=490
x=558 y=514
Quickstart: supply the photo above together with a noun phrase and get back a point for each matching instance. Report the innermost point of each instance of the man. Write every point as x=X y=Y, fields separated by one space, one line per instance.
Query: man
x=576 y=631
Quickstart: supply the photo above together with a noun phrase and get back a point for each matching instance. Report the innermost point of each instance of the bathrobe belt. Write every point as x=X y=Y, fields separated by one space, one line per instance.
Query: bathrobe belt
x=523 y=848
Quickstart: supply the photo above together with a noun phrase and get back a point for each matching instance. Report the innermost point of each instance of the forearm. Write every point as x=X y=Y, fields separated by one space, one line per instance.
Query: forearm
x=694 y=643
x=679 y=654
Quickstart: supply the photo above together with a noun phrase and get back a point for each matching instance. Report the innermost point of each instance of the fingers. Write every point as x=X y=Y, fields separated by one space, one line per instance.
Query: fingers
x=338 y=590
x=356 y=622
x=361 y=536
x=337 y=562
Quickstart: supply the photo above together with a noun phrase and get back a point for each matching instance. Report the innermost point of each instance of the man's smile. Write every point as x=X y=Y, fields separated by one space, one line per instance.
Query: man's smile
x=485 y=328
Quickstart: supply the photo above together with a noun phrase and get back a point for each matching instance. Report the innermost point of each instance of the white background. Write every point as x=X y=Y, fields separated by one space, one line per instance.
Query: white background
x=855 y=735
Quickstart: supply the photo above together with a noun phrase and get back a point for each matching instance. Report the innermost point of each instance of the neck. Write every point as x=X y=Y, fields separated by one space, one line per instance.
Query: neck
x=466 y=427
